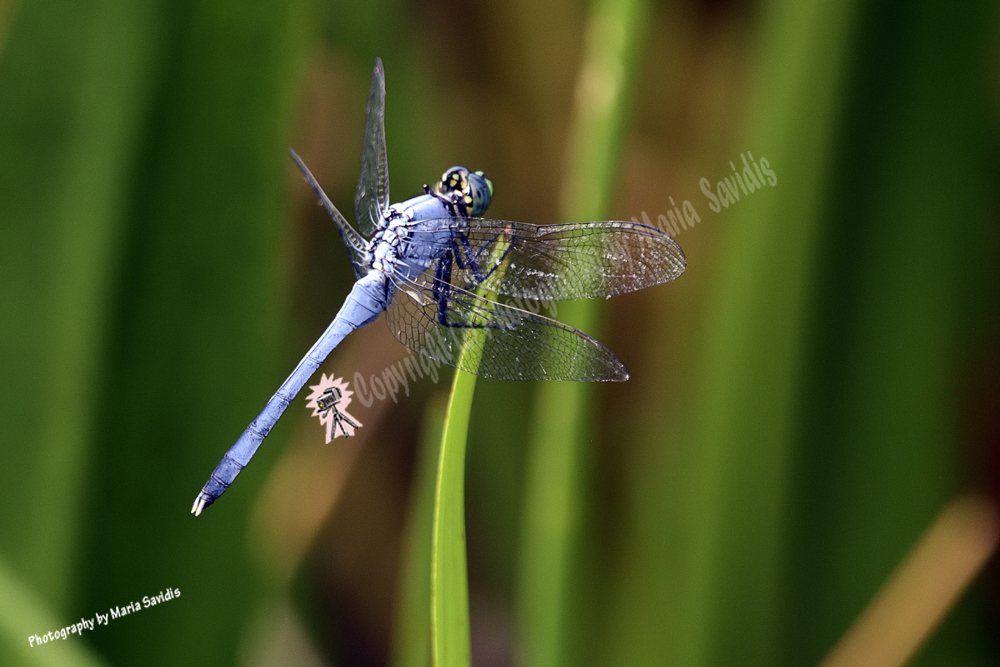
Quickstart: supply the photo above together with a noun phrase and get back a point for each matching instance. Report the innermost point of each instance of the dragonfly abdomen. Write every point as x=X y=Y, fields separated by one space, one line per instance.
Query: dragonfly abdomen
x=362 y=306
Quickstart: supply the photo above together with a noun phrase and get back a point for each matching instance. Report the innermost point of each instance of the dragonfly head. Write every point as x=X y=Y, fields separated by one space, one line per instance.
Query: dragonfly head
x=471 y=188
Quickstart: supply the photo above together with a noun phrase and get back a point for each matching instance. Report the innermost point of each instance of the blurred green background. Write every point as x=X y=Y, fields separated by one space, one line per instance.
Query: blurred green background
x=823 y=379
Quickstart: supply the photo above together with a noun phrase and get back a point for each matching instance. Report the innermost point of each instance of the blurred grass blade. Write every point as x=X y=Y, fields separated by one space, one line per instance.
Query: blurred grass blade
x=76 y=86
x=23 y=614
x=734 y=489
x=924 y=588
x=885 y=402
x=192 y=352
x=557 y=458
x=7 y=10
x=412 y=641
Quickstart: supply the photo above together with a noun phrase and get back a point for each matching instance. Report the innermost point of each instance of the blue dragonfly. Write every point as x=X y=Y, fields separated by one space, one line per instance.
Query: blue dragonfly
x=423 y=261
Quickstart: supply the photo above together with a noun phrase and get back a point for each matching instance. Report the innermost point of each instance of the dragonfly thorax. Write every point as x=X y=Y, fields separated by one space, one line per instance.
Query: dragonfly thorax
x=387 y=243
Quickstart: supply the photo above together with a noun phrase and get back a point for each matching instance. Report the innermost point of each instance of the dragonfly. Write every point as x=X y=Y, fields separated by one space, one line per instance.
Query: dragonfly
x=429 y=263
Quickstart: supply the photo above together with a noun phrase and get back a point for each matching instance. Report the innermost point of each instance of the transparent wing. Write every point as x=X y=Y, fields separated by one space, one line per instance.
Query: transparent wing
x=561 y=262
x=353 y=241
x=372 y=198
x=433 y=318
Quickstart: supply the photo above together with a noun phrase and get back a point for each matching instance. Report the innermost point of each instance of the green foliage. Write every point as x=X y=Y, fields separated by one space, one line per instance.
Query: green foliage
x=412 y=641
x=557 y=474
x=23 y=615
x=744 y=416
x=141 y=180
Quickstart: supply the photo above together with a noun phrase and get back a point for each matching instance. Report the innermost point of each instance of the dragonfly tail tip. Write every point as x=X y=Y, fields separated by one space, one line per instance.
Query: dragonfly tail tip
x=199 y=505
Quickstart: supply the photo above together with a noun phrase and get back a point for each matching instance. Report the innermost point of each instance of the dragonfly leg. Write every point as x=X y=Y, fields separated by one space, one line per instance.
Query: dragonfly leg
x=442 y=281
x=471 y=262
x=453 y=201
x=458 y=209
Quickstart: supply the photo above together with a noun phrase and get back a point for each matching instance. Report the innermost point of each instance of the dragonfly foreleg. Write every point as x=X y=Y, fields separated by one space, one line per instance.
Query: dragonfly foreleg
x=443 y=295
x=472 y=257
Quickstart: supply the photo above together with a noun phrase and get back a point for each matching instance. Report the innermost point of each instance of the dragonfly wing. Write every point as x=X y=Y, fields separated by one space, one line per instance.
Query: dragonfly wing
x=562 y=262
x=434 y=318
x=353 y=241
x=372 y=197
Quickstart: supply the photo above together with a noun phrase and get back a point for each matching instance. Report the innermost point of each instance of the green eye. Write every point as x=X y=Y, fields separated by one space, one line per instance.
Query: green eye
x=481 y=189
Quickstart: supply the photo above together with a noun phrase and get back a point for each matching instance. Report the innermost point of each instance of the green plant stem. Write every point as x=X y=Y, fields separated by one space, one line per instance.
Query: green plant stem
x=449 y=580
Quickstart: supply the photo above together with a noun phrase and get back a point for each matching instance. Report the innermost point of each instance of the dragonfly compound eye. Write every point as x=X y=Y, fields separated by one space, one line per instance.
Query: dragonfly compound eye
x=454 y=180
x=480 y=189
x=473 y=190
